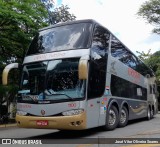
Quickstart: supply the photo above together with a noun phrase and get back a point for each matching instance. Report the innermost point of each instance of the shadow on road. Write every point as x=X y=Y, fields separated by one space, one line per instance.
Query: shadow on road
x=70 y=134
x=79 y=134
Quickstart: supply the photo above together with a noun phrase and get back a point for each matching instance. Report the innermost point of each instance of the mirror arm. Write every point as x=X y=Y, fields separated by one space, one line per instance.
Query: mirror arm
x=6 y=72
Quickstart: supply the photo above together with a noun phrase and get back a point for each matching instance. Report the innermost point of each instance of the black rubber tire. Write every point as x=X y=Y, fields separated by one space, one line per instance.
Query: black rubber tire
x=111 y=114
x=148 y=113
x=123 y=120
x=152 y=113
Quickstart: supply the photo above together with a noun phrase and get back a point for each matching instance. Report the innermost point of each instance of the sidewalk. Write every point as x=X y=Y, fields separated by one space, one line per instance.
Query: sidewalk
x=8 y=125
x=11 y=123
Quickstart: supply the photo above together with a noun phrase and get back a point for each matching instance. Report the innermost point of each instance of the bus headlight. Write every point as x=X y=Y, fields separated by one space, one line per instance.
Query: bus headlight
x=73 y=112
x=21 y=113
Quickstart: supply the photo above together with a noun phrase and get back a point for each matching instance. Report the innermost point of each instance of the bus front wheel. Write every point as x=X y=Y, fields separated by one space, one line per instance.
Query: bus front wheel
x=111 y=118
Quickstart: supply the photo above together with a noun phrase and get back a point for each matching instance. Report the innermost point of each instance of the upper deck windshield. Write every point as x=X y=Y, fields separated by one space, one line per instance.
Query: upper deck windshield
x=52 y=80
x=72 y=36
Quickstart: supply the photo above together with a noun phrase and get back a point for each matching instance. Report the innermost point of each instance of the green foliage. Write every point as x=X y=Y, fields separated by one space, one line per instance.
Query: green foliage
x=143 y=55
x=61 y=14
x=151 y=60
x=19 y=20
x=154 y=63
x=8 y=93
x=150 y=11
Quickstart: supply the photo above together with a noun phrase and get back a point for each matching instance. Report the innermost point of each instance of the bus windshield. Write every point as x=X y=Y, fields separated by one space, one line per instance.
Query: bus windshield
x=52 y=80
x=64 y=37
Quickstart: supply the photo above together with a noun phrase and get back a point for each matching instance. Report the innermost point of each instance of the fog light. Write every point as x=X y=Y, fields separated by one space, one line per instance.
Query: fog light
x=72 y=123
x=78 y=123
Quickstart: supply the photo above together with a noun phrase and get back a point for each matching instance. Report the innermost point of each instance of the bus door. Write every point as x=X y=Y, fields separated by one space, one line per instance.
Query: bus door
x=93 y=112
x=97 y=73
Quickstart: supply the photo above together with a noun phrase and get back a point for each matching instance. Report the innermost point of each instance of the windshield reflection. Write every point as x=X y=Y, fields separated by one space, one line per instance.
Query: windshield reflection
x=60 y=38
x=52 y=80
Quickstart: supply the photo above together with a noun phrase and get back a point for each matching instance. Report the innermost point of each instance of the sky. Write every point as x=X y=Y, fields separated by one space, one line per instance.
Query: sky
x=119 y=16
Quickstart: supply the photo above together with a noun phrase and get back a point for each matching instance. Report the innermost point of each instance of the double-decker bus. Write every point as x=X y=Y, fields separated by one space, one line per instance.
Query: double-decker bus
x=78 y=75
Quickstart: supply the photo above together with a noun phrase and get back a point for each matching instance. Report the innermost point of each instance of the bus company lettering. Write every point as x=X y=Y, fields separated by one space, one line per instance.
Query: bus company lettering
x=24 y=106
x=133 y=73
x=48 y=56
x=72 y=105
x=40 y=57
x=53 y=55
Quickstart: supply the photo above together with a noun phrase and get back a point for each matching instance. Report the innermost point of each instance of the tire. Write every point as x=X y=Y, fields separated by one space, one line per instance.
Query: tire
x=152 y=113
x=148 y=113
x=123 y=120
x=111 y=119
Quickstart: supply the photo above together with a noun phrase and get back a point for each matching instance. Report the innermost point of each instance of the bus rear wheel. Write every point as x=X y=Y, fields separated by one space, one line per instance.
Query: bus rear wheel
x=111 y=118
x=123 y=117
x=149 y=113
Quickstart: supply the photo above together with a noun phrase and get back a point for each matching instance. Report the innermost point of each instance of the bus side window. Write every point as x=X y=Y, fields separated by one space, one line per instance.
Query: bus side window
x=98 y=63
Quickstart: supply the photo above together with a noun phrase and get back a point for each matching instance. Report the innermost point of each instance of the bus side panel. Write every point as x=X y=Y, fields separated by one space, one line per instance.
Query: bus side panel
x=137 y=109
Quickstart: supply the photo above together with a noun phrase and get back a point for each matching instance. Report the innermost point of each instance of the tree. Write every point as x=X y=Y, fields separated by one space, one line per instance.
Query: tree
x=153 y=61
x=61 y=14
x=150 y=11
x=19 y=20
x=143 y=56
x=49 y=5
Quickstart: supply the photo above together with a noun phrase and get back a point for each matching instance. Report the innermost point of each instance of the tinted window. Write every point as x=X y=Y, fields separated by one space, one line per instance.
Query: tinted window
x=33 y=77
x=98 y=62
x=143 y=69
x=126 y=89
x=61 y=38
x=62 y=79
x=119 y=51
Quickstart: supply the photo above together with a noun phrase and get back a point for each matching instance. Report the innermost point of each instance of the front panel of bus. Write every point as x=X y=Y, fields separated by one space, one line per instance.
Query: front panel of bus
x=51 y=94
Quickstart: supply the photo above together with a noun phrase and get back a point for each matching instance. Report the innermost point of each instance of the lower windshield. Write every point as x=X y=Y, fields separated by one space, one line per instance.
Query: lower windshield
x=52 y=80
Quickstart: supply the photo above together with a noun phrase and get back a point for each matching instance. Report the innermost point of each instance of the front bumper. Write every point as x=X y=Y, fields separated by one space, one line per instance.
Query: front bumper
x=74 y=122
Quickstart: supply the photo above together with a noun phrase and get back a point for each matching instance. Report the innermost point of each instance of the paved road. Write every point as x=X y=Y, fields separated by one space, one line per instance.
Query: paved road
x=134 y=130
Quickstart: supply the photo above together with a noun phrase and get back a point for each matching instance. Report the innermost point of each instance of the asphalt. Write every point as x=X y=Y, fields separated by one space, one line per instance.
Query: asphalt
x=13 y=124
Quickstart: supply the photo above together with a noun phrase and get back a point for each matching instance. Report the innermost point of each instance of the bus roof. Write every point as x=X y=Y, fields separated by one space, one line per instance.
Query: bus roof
x=93 y=22
x=69 y=22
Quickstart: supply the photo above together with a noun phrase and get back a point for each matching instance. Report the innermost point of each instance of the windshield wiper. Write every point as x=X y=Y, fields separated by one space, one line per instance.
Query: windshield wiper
x=60 y=94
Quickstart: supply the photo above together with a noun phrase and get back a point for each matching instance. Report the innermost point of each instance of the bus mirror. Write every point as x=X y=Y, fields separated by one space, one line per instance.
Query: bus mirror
x=83 y=68
x=6 y=72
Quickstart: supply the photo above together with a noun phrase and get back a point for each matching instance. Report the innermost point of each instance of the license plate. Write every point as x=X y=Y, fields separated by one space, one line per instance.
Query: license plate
x=42 y=122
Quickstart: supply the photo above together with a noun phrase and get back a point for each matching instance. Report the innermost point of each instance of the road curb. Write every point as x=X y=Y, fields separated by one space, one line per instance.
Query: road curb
x=7 y=125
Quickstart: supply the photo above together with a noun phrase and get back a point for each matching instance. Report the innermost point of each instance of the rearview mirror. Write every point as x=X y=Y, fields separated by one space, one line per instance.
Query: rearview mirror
x=83 y=68
x=6 y=72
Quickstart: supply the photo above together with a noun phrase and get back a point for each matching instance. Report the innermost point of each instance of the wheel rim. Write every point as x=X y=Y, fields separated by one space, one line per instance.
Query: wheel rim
x=123 y=116
x=149 y=114
x=152 y=112
x=112 y=117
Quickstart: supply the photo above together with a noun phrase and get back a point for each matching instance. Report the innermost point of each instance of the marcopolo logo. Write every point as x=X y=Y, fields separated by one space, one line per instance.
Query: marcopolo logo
x=43 y=112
